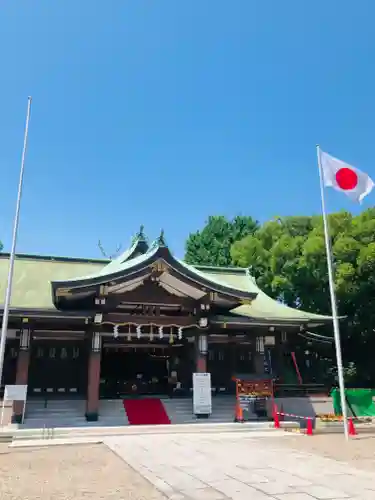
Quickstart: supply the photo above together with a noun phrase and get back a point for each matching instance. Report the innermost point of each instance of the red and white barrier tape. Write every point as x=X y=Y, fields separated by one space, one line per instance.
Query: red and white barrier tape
x=292 y=415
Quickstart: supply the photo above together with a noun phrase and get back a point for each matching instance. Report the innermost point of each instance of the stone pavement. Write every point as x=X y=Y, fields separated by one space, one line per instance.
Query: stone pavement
x=244 y=466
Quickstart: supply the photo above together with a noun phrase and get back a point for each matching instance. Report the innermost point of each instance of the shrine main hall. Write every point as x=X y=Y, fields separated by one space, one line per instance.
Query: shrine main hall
x=138 y=325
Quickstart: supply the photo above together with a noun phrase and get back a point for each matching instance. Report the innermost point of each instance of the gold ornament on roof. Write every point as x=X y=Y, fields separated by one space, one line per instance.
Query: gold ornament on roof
x=159 y=266
x=63 y=292
x=246 y=302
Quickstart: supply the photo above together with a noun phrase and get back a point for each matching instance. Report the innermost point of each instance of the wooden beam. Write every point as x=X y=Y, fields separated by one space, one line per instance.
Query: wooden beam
x=150 y=293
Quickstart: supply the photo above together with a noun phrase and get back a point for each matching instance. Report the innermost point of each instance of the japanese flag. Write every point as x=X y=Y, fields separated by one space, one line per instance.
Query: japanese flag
x=345 y=178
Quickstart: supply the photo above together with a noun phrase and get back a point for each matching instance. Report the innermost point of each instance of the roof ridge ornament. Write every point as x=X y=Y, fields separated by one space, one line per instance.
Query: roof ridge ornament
x=141 y=235
x=161 y=239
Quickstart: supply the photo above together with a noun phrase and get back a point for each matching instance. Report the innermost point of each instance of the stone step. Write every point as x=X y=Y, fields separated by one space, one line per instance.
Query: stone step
x=62 y=413
x=96 y=429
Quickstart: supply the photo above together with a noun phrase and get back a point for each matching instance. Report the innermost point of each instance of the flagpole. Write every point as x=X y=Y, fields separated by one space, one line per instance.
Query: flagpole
x=8 y=292
x=336 y=326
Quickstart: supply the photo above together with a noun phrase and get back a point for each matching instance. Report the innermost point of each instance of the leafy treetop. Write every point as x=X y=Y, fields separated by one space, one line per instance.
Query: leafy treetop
x=287 y=257
x=211 y=245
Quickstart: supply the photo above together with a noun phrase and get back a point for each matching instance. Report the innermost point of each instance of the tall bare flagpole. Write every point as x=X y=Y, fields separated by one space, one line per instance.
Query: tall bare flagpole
x=8 y=292
x=336 y=326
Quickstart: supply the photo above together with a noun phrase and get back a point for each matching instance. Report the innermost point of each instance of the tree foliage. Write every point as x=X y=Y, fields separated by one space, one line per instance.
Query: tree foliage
x=212 y=245
x=287 y=257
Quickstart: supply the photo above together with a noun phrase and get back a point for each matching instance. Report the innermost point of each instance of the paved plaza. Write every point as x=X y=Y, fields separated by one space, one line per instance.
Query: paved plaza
x=248 y=466
x=253 y=465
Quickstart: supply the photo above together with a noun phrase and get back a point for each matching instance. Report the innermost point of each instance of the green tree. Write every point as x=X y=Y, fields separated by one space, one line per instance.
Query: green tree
x=287 y=257
x=211 y=246
x=273 y=252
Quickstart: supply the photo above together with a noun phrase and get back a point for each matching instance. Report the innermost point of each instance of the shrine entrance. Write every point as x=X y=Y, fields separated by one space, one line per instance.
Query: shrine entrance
x=139 y=370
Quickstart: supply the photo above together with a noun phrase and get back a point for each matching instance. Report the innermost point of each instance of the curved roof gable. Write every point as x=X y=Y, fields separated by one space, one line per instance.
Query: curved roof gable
x=138 y=247
x=122 y=268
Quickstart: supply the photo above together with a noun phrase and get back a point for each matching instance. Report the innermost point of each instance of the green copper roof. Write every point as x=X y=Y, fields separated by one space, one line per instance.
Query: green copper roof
x=33 y=276
x=120 y=265
x=262 y=307
x=138 y=247
x=124 y=261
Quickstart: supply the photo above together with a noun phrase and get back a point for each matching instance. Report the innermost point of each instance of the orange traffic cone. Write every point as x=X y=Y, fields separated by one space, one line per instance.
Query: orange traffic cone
x=239 y=413
x=309 y=428
x=351 y=428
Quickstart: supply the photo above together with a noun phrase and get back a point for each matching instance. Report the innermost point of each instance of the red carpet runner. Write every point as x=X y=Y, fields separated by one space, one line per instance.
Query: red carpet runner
x=148 y=411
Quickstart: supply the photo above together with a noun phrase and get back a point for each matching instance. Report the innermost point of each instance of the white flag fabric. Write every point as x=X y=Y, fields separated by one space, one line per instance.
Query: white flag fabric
x=345 y=178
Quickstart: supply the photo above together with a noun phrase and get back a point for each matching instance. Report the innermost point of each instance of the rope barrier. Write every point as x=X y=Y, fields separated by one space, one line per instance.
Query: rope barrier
x=277 y=414
x=293 y=416
x=309 y=427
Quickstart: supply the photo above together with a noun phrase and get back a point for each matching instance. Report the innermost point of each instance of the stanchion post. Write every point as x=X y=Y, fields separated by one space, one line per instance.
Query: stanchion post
x=276 y=419
x=309 y=430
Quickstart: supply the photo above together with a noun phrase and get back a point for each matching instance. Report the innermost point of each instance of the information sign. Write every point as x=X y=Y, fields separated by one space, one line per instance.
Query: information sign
x=202 y=398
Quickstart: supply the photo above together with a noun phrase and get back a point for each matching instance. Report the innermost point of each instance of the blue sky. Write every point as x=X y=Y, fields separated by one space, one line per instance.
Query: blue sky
x=165 y=112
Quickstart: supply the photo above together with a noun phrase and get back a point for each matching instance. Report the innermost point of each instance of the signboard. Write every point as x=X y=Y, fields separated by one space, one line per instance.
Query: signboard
x=252 y=395
x=14 y=393
x=256 y=388
x=202 y=398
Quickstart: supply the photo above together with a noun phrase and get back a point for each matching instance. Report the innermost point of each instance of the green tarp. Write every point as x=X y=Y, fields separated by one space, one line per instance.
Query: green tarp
x=359 y=401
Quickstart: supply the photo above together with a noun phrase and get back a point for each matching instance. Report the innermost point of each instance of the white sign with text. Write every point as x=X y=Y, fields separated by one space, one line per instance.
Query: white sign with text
x=15 y=393
x=202 y=398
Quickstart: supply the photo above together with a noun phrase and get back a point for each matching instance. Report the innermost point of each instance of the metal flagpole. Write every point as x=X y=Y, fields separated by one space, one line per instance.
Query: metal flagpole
x=8 y=292
x=336 y=327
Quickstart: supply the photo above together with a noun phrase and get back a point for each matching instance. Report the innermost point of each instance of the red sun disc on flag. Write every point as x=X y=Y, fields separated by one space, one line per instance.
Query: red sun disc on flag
x=346 y=178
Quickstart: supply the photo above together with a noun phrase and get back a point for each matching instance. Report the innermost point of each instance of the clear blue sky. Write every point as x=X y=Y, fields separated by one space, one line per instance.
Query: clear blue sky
x=164 y=112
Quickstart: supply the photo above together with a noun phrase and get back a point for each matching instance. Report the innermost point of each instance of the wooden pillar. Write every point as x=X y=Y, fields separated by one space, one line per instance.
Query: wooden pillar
x=201 y=348
x=93 y=379
x=22 y=374
x=201 y=363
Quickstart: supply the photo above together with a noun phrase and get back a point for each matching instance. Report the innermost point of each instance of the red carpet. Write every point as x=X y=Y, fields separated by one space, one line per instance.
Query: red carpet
x=147 y=411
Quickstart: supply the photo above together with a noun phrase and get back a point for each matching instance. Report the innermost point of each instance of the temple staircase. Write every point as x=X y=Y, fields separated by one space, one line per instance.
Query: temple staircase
x=180 y=411
x=71 y=413
x=54 y=413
